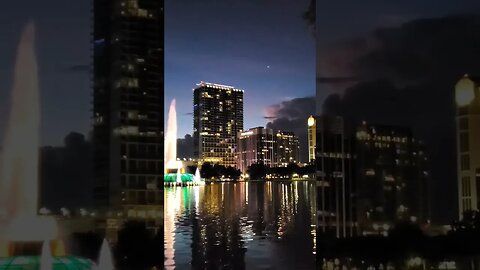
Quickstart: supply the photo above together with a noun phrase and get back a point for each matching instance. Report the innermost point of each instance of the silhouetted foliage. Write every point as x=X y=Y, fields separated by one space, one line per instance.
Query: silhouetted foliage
x=138 y=248
x=217 y=171
x=86 y=245
x=257 y=171
x=406 y=240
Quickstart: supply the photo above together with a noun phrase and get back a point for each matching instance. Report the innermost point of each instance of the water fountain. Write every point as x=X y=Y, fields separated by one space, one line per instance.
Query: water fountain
x=27 y=240
x=197 y=177
x=175 y=174
x=46 y=260
x=105 y=261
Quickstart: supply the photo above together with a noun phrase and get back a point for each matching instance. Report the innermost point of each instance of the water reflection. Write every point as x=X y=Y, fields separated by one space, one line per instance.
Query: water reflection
x=246 y=225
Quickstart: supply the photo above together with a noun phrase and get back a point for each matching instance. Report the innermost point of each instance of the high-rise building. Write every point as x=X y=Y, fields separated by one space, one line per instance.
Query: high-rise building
x=217 y=119
x=391 y=178
x=467 y=94
x=127 y=105
x=256 y=145
x=368 y=177
x=312 y=138
x=334 y=166
x=288 y=148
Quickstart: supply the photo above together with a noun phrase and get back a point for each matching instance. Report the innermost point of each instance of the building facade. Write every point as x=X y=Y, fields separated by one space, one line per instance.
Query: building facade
x=368 y=177
x=256 y=145
x=391 y=178
x=467 y=94
x=218 y=117
x=288 y=148
x=334 y=173
x=128 y=97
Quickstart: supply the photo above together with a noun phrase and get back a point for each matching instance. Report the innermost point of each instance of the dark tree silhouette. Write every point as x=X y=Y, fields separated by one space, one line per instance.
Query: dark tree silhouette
x=257 y=171
x=133 y=248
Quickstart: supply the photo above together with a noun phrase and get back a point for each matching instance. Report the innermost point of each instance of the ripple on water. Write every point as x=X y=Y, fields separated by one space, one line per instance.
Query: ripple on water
x=222 y=231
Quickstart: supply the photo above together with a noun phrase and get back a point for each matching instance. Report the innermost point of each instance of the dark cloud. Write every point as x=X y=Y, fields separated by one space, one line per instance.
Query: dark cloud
x=292 y=116
x=77 y=68
x=407 y=76
x=335 y=80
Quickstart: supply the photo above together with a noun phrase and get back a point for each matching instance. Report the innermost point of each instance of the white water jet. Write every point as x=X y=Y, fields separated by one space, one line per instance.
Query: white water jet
x=197 y=176
x=105 y=261
x=19 y=185
x=19 y=169
x=46 y=259
x=171 y=161
x=179 y=176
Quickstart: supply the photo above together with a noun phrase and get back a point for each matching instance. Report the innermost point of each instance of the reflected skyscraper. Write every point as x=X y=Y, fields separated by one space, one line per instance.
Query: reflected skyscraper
x=228 y=231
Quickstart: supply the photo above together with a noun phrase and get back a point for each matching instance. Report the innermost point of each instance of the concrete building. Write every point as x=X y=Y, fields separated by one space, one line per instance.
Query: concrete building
x=218 y=117
x=467 y=95
x=254 y=146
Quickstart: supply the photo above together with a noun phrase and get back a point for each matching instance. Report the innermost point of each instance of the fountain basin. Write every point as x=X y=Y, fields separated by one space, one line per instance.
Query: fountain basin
x=172 y=177
x=34 y=262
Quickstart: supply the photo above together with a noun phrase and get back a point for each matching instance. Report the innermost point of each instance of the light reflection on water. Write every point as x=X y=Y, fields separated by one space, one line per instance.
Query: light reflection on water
x=256 y=225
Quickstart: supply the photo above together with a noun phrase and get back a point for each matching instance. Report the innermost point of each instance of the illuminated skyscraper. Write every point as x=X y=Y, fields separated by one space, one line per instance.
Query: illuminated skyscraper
x=217 y=119
x=312 y=138
x=256 y=145
x=288 y=148
x=127 y=105
x=467 y=95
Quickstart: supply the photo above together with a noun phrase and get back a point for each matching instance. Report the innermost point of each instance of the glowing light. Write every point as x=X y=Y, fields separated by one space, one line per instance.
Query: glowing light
x=464 y=92
x=311 y=121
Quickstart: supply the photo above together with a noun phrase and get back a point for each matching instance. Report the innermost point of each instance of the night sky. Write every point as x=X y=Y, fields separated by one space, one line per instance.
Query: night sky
x=263 y=47
x=340 y=21
x=63 y=51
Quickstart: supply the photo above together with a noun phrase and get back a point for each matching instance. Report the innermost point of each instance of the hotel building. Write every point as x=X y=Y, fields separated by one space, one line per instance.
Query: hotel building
x=217 y=119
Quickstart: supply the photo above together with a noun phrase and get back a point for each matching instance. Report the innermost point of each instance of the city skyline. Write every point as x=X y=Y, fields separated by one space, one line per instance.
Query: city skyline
x=270 y=53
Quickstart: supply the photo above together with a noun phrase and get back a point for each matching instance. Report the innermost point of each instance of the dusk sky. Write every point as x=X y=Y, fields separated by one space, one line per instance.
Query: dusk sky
x=230 y=42
x=263 y=47
x=63 y=50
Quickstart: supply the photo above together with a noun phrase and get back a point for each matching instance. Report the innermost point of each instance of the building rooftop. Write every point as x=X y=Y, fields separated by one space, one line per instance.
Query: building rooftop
x=217 y=86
